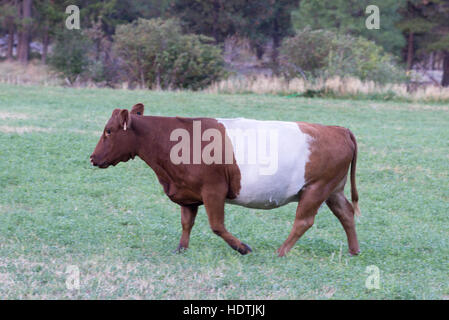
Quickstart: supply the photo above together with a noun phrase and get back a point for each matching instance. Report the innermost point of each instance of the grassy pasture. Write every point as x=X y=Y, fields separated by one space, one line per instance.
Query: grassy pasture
x=119 y=229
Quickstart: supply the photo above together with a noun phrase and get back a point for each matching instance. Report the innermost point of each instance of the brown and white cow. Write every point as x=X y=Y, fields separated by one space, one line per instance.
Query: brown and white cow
x=310 y=164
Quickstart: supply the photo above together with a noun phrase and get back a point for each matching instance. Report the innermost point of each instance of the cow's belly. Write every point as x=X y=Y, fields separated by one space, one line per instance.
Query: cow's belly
x=262 y=201
x=278 y=172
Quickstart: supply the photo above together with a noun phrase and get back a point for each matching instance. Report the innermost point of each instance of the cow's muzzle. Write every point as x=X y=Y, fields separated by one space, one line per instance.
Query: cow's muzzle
x=95 y=162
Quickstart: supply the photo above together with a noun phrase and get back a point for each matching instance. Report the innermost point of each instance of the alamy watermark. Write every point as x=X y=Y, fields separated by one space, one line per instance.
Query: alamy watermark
x=373 y=279
x=73 y=20
x=249 y=146
x=373 y=20
x=72 y=281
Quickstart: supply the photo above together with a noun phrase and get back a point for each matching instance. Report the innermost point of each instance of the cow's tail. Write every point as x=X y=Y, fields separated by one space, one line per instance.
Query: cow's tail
x=354 y=193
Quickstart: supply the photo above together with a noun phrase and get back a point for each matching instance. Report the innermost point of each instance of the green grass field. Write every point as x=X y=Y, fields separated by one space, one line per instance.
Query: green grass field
x=120 y=230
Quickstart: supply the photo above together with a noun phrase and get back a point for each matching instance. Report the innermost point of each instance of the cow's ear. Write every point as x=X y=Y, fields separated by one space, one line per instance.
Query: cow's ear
x=115 y=112
x=124 y=119
x=137 y=109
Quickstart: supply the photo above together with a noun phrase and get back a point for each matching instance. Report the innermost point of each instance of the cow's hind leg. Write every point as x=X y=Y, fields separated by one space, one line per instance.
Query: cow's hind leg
x=310 y=201
x=188 y=214
x=344 y=211
x=215 y=211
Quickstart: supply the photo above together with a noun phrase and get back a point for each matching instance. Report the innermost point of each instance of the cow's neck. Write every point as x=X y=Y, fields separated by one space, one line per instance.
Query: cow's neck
x=152 y=141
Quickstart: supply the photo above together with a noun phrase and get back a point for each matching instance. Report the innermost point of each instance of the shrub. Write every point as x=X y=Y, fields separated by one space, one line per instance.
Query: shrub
x=325 y=54
x=70 y=54
x=156 y=54
x=309 y=50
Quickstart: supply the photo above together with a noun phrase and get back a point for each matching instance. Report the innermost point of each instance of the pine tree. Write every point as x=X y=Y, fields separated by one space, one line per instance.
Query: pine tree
x=266 y=20
x=349 y=16
x=426 y=25
x=414 y=25
x=260 y=21
x=23 y=50
x=49 y=17
x=437 y=37
x=214 y=18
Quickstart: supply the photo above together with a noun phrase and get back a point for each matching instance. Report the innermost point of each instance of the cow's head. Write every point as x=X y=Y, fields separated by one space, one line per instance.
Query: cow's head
x=118 y=141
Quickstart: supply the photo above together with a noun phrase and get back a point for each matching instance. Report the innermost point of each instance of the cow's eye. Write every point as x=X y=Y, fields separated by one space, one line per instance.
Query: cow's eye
x=108 y=132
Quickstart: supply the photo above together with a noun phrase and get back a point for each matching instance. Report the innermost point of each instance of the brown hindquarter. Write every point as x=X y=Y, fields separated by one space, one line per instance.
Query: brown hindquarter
x=332 y=151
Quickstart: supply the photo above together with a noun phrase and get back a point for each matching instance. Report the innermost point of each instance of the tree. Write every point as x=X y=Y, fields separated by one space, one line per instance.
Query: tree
x=259 y=21
x=214 y=18
x=26 y=22
x=413 y=24
x=267 y=20
x=9 y=21
x=156 y=54
x=325 y=54
x=49 y=14
x=349 y=16
x=112 y=13
x=426 y=25
x=71 y=54
x=437 y=36
x=126 y=11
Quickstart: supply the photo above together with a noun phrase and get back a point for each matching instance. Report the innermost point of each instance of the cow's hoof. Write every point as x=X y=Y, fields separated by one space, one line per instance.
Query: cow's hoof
x=280 y=253
x=245 y=250
x=354 y=253
x=180 y=250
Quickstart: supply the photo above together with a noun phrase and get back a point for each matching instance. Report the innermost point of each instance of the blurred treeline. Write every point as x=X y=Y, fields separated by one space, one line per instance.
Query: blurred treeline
x=182 y=43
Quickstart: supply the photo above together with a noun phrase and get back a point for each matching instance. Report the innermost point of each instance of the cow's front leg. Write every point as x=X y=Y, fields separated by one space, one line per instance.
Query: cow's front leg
x=188 y=214
x=214 y=204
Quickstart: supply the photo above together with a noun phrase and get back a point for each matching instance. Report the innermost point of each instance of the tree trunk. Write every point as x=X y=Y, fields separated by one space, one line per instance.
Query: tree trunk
x=20 y=47
x=410 y=50
x=275 y=51
x=11 y=26
x=9 y=52
x=215 y=33
x=445 y=80
x=24 y=35
x=45 y=42
x=276 y=44
x=19 y=32
x=158 y=79
x=142 y=79
x=259 y=50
